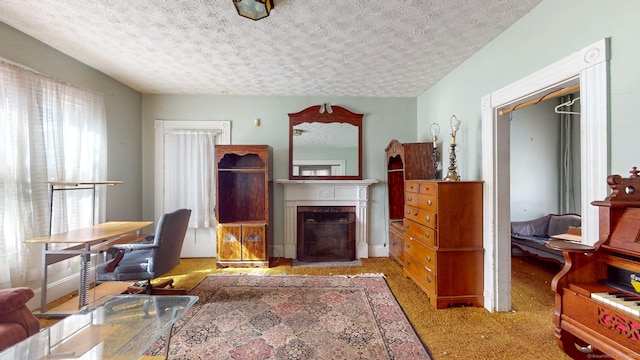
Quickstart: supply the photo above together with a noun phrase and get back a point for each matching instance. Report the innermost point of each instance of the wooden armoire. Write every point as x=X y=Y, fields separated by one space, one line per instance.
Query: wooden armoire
x=405 y=161
x=243 y=205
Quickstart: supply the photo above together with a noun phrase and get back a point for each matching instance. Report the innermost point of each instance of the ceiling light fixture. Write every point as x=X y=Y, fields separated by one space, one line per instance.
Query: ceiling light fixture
x=253 y=9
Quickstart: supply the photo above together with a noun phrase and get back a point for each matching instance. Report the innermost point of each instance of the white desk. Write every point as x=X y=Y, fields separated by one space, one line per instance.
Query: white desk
x=84 y=242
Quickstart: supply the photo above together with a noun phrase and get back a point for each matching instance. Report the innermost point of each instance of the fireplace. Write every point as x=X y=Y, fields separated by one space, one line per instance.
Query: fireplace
x=326 y=233
x=353 y=194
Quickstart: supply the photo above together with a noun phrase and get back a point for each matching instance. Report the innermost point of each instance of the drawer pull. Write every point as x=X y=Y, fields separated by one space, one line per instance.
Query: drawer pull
x=427 y=235
x=428 y=258
x=428 y=269
x=407 y=245
x=408 y=211
x=429 y=202
x=409 y=198
x=407 y=262
x=427 y=218
x=584 y=349
x=407 y=226
x=428 y=279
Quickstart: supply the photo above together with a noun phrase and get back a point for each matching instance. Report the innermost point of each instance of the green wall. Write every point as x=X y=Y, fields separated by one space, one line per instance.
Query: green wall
x=551 y=31
x=123 y=110
x=384 y=119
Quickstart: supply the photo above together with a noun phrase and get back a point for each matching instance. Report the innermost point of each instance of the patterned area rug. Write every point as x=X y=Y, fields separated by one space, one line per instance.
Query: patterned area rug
x=293 y=317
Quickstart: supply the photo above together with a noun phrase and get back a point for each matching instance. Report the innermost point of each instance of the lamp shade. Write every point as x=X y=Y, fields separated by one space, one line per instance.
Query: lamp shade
x=253 y=9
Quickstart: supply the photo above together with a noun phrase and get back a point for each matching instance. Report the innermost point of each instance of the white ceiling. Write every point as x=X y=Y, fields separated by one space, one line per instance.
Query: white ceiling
x=384 y=48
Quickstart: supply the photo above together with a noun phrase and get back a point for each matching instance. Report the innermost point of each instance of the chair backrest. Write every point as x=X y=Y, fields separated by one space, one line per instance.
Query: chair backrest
x=169 y=237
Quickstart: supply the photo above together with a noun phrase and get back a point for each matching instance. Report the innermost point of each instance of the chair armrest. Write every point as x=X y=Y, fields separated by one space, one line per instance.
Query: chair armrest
x=135 y=247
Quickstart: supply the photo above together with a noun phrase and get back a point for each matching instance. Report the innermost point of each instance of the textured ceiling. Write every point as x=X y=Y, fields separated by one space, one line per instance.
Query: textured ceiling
x=386 y=48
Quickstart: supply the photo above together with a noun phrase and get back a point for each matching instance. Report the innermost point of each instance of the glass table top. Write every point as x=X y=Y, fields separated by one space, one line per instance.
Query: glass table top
x=113 y=327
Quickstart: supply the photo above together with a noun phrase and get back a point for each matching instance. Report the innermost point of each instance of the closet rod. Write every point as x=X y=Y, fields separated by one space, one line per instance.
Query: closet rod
x=548 y=96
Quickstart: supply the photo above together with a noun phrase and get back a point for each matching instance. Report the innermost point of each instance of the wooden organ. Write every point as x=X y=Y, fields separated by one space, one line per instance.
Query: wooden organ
x=597 y=293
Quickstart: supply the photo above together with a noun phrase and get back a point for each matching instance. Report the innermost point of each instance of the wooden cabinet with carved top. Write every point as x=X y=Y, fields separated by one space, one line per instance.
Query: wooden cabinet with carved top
x=443 y=251
x=243 y=205
x=405 y=161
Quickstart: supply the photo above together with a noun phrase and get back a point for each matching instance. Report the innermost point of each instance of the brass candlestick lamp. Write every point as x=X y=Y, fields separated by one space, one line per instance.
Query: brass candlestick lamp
x=452 y=175
x=435 y=131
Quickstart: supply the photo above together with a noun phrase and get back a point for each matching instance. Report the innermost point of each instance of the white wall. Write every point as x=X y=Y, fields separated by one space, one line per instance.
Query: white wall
x=552 y=30
x=384 y=119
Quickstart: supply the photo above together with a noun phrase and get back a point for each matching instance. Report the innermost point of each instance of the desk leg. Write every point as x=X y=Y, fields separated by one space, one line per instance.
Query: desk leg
x=43 y=280
x=85 y=274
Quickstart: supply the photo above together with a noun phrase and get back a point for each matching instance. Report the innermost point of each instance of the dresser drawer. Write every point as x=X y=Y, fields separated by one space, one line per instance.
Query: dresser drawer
x=427 y=202
x=411 y=186
x=429 y=187
x=420 y=252
x=411 y=199
x=420 y=232
x=420 y=274
x=422 y=217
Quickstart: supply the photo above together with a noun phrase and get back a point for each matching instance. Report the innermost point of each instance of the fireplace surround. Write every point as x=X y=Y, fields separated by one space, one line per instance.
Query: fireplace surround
x=326 y=193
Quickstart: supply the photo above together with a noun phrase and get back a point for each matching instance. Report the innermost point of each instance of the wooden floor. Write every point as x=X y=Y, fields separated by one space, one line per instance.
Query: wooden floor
x=107 y=288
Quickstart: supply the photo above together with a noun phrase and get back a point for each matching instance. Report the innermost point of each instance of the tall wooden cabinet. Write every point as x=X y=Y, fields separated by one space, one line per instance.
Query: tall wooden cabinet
x=405 y=161
x=443 y=241
x=243 y=205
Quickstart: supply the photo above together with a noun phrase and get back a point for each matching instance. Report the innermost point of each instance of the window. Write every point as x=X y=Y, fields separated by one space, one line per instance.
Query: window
x=50 y=130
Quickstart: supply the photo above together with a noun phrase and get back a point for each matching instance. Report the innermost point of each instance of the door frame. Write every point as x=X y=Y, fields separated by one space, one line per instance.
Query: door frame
x=590 y=68
x=162 y=127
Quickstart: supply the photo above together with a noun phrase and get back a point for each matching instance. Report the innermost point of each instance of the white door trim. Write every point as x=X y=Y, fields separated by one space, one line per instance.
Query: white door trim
x=589 y=67
x=199 y=242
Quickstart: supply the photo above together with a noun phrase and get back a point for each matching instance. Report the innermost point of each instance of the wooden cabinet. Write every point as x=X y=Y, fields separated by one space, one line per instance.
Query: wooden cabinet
x=443 y=251
x=408 y=161
x=243 y=204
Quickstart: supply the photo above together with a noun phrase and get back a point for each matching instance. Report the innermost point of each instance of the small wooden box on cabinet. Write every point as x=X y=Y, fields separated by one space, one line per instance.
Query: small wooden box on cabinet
x=243 y=205
x=405 y=161
x=443 y=252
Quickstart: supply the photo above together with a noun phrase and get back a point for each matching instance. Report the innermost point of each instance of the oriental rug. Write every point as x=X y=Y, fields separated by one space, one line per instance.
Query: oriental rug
x=293 y=317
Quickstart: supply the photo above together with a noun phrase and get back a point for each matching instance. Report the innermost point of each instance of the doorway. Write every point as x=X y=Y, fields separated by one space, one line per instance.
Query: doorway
x=200 y=241
x=589 y=68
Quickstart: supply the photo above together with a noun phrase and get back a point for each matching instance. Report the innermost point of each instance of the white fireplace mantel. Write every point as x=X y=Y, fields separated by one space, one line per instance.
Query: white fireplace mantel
x=325 y=193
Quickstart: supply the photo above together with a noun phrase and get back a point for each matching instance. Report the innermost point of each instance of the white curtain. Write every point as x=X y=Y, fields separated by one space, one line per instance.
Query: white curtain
x=189 y=175
x=568 y=194
x=50 y=131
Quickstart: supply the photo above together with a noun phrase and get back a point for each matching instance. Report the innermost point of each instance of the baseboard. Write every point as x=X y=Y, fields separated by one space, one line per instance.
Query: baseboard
x=378 y=251
x=57 y=289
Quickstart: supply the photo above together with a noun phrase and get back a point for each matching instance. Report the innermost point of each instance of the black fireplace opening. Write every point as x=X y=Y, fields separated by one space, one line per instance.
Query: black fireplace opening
x=326 y=233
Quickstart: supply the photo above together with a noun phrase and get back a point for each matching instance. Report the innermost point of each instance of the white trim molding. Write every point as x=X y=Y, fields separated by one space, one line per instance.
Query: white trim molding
x=589 y=68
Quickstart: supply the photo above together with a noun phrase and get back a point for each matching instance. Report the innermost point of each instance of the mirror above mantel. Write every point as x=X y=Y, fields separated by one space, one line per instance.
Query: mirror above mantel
x=325 y=143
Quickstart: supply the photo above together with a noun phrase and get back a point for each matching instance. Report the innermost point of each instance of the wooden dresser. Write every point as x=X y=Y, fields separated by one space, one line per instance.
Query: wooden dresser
x=443 y=251
x=405 y=161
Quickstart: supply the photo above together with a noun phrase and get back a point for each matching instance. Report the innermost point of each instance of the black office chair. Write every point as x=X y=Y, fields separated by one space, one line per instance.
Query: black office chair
x=148 y=261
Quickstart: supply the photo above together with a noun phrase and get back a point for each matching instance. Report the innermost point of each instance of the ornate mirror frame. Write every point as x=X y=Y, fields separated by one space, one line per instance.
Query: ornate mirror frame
x=331 y=115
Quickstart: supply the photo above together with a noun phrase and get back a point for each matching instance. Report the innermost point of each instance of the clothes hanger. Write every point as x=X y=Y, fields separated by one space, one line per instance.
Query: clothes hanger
x=568 y=103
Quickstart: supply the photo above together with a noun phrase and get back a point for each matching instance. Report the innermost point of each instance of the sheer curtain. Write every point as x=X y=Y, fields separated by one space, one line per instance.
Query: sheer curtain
x=189 y=175
x=568 y=193
x=50 y=131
